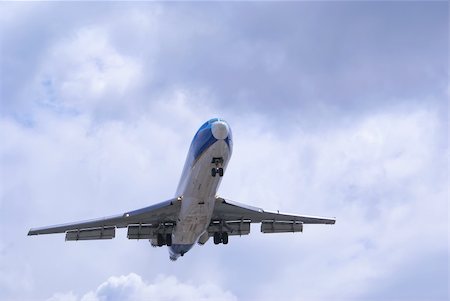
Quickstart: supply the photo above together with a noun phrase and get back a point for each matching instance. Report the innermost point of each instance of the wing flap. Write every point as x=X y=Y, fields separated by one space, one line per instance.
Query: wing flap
x=91 y=234
x=148 y=231
x=281 y=227
x=232 y=228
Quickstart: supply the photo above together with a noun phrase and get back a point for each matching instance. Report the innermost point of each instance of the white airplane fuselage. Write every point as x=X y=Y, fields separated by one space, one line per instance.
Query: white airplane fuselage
x=208 y=157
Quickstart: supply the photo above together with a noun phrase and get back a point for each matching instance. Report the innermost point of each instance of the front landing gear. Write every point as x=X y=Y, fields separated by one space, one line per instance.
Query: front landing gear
x=218 y=162
x=217 y=170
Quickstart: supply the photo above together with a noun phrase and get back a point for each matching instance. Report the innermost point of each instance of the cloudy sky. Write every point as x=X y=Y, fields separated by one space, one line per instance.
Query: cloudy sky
x=337 y=109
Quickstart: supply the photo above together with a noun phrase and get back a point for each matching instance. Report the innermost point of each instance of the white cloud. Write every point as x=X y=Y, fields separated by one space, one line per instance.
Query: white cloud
x=132 y=287
x=63 y=297
x=382 y=177
x=382 y=174
x=84 y=71
x=376 y=176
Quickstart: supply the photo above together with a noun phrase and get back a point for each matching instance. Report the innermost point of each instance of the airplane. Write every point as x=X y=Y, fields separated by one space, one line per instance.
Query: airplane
x=196 y=213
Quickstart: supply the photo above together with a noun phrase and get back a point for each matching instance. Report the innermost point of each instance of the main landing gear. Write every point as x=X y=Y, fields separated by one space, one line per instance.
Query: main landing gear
x=162 y=240
x=218 y=162
x=220 y=237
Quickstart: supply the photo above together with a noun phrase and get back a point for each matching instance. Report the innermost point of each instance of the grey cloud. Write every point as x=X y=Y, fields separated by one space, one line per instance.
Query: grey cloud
x=65 y=168
x=303 y=58
x=370 y=73
x=374 y=176
x=294 y=59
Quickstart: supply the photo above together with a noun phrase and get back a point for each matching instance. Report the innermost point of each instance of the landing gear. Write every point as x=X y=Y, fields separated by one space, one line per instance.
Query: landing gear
x=160 y=240
x=215 y=171
x=217 y=238
x=168 y=240
x=220 y=237
x=225 y=238
x=164 y=239
x=218 y=162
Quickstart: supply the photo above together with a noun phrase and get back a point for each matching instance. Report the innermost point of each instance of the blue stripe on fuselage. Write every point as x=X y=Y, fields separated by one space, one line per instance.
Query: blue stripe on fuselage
x=204 y=139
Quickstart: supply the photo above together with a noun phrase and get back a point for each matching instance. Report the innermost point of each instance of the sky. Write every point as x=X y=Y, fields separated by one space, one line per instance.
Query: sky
x=337 y=109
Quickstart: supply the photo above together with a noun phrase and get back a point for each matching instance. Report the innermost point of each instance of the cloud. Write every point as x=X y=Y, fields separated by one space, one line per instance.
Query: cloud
x=378 y=177
x=342 y=117
x=374 y=175
x=85 y=72
x=307 y=71
x=133 y=287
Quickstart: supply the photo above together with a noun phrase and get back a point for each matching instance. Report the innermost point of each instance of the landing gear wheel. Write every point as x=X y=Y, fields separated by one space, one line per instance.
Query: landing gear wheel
x=218 y=162
x=168 y=240
x=225 y=238
x=217 y=238
x=160 y=240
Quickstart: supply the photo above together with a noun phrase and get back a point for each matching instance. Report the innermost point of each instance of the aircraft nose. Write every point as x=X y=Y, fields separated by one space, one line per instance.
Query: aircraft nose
x=220 y=130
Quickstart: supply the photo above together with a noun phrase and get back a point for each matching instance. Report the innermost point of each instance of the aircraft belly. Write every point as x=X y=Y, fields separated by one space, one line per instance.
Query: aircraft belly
x=199 y=194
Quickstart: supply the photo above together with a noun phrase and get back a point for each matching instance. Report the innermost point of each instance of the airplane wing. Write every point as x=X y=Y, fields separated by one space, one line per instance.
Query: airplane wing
x=104 y=228
x=230 y=213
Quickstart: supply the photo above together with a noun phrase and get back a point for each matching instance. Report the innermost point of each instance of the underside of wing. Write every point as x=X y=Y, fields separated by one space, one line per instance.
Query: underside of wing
x=271 y=222
x=104 y=228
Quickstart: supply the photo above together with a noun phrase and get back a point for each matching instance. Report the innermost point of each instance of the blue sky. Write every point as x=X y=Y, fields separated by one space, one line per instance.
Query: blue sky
x=337 y=109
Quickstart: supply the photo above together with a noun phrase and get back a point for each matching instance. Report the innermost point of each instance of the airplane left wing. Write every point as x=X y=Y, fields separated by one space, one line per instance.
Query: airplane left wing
x=104 y=228
x=231 y=213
